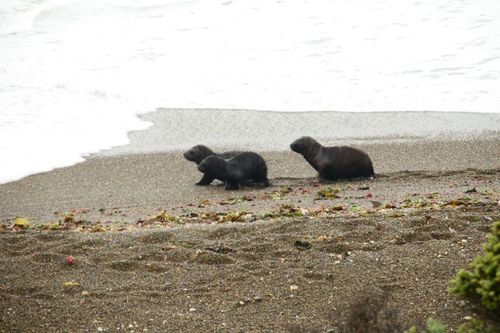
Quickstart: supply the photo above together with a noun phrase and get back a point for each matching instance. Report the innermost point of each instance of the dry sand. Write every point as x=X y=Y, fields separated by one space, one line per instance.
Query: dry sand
x=288 y=262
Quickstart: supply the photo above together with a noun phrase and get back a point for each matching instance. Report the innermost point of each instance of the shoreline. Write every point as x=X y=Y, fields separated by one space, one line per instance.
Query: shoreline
x=178 y=129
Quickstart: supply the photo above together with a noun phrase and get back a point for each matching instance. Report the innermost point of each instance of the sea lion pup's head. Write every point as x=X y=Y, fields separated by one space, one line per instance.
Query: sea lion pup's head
x=213 y=164
x=303 y=144
x=198 y=153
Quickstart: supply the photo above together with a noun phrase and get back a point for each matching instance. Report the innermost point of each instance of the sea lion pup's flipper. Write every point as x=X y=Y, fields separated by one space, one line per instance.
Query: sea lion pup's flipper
x=257 y=183
x=261 y=177
x=231 y=184
x=206 y=179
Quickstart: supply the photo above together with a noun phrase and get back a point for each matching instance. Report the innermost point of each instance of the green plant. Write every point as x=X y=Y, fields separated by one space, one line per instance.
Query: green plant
x=433 y=326
x=477 y=326
x=473 y=326
x=482 y=281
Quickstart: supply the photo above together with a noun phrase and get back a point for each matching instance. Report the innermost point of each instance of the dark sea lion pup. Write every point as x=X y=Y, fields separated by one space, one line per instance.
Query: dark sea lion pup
x=334 y=162
x=238 y=170
x=198 y=153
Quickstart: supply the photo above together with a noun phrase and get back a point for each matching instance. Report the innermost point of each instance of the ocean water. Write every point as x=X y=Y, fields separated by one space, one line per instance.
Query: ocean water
x=74 y=75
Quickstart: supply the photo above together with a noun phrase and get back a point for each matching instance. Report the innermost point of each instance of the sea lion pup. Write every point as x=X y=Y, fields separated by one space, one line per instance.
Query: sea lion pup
x=238 y=170
x=198 y=153
x=334 y=163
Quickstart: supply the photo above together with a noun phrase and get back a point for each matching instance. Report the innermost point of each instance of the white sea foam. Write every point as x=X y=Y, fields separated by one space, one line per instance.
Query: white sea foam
x=74 y=74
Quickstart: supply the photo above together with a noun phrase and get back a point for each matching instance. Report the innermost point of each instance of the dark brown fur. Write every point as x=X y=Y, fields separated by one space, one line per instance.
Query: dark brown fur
x=238 y=170
x=334 y=163
x=198 y=153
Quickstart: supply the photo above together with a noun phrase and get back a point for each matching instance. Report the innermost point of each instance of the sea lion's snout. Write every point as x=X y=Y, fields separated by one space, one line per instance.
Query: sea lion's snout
x=190 y=156
x=294 y=146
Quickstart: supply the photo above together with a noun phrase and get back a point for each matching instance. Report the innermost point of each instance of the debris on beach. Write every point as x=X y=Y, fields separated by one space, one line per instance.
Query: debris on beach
x=456 y=202
x=230 y=216
x=287 y=210
x=281 y=193
x=70 y=260
x=231 y=201
x=203 y=203
x=328 y=193
x=295 y=202
x=69 y=218
x=22 y=223
x=302 y=245
x=163 y=216
x=234 y=201
x=49 y=226
x=276 y=195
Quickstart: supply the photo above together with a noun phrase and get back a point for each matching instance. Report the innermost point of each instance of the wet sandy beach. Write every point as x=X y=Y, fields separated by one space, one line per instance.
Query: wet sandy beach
x=149 y=181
